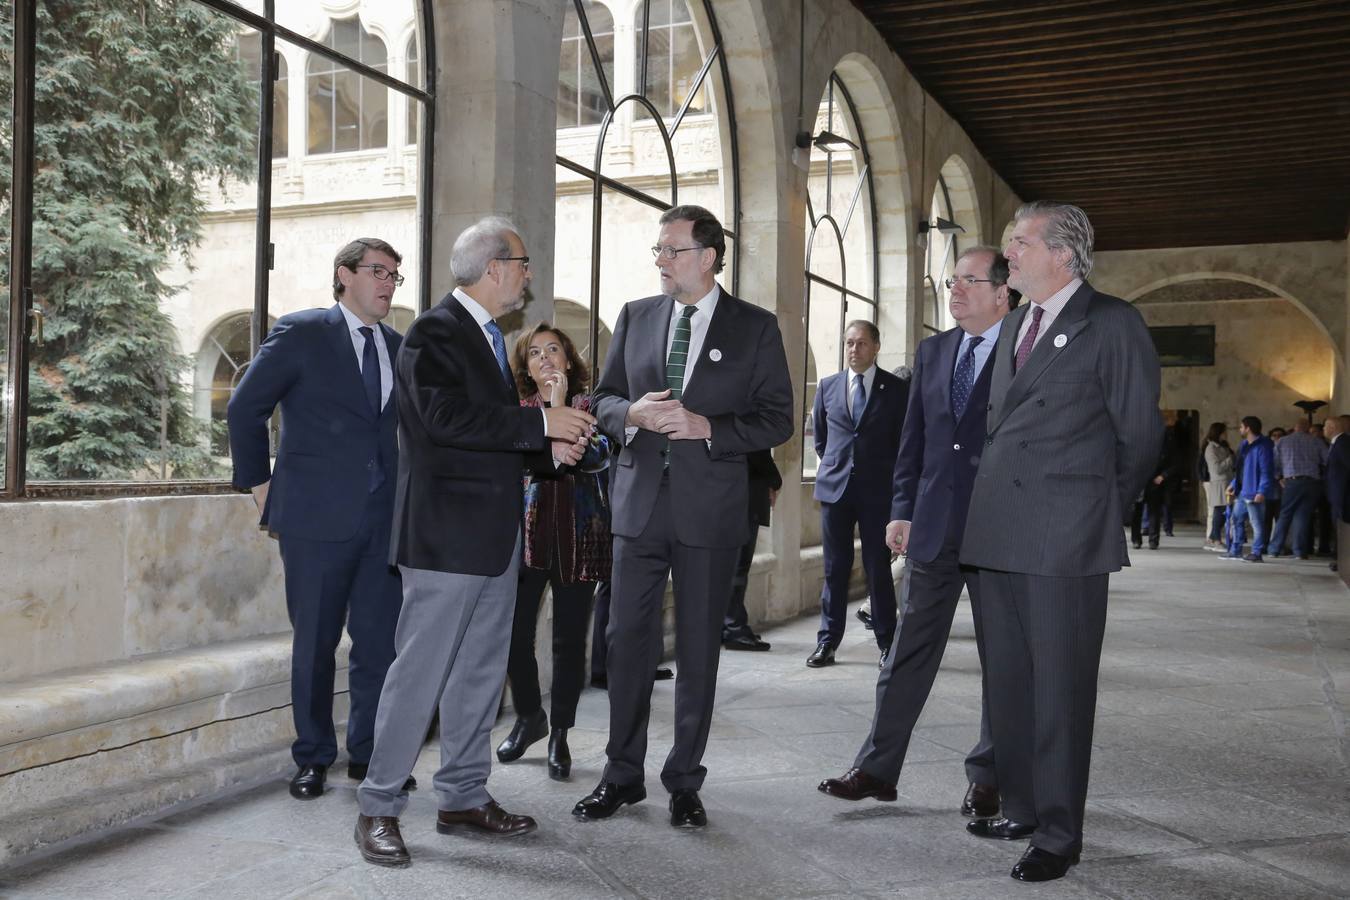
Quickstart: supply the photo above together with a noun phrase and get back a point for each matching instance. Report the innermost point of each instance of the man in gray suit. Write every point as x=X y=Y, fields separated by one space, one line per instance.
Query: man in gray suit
x=463 y=440
x=1073 y=434
x=694 y=381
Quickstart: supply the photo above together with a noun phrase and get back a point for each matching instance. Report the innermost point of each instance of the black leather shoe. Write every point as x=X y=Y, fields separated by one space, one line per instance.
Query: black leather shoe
x=745 y=642
x=864 y=617
x=1042 y=865
x=1000 y=829
x=686 y=810
x=357 y=772
x=380 y=841
x=663 y=674
x=858 y=785
x=606 y=799
x=525 y=732
x=822 y=656
x=308 y=782
x=981 y=802
x=559 y=757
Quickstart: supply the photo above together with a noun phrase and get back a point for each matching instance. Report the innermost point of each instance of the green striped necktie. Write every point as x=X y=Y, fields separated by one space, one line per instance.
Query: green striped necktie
x=679 y=354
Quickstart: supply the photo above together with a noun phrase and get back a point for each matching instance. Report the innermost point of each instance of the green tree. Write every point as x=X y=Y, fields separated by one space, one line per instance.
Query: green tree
x=138 y=104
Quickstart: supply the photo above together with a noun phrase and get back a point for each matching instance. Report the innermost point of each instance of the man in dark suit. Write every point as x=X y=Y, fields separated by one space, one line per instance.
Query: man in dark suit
x=858 y=414
x=1338 y=472
x=934 y=472
x=695 y=380
x=456 y=540
x=1073 y=434
x=330 y=496
x=765 y=483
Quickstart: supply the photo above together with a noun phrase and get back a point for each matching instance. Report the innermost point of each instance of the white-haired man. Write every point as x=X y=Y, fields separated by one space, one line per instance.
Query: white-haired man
x=463 y=438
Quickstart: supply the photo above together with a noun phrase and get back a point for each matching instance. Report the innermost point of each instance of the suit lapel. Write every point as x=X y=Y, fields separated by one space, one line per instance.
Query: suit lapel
x=349 y=378
x=719 y=336
x=1070 y=321
x=947 y=353
x=478 y=345
x=657 y=332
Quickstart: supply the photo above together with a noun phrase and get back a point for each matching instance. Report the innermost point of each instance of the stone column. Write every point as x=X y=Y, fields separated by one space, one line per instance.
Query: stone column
x=496 y=113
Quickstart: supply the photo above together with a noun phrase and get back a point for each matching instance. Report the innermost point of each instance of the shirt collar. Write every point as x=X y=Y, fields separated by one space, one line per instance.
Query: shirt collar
x=990 y=335
x=1056 y=302
x=706 y=304
x=475 y=309
x=353 y=321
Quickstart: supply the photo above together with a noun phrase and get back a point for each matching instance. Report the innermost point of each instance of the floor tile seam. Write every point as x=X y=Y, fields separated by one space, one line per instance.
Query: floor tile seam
x=1201 y=844
x=1338 y=716
x=1277 y=870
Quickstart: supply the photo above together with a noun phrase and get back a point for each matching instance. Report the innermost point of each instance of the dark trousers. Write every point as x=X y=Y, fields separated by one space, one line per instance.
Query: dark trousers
x=736 y=623
x=1153 y=499
x=702 y=580
x=598 y=628
x=929 y=594
x=1043 y=645
x=329 y=583
x=869 y=512
x=1217 y=516
x=1297 y=502
x=1325 y=527
x=571 y=613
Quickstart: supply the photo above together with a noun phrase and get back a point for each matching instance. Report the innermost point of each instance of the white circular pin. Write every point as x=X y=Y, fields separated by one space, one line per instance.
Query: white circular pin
x=1060 y=340
x=715 y=355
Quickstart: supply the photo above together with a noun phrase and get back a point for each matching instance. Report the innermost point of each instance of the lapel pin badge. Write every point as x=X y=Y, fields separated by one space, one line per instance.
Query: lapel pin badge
x=715 y=355
x=1060 y=340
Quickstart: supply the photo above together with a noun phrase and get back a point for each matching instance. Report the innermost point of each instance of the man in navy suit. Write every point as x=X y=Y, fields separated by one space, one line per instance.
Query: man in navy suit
x=858 y=414
x=934 y=472
x=331 y=495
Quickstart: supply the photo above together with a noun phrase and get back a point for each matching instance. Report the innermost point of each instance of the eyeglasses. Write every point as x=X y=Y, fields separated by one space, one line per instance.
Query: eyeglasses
x=967 y=280
x=524 y=260
x=381 y=273
x=667 y=252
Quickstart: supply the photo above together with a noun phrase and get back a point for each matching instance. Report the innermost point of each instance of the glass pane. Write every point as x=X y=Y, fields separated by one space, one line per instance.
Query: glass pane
x=136 y=256
x=281 y=111
x=627 y=270
x=568 y=80
x=414 y=106
x=320 y=109
x=6 y=160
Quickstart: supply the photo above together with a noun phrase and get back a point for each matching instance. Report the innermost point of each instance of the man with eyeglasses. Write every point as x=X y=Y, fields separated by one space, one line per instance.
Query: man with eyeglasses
x=939 y=449
x=694 y=382
x=857 y=417
x=330 y=497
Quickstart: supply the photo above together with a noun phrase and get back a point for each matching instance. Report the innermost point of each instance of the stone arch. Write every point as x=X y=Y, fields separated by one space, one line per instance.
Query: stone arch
x=965 y=200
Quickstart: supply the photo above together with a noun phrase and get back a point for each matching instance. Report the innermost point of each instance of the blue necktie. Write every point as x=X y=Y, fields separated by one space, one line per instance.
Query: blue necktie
x=964 y=379
x=370 y=378
x=859 y=399
x=499 y=348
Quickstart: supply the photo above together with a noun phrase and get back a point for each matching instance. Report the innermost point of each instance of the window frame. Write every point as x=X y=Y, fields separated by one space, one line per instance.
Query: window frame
x=15 y=484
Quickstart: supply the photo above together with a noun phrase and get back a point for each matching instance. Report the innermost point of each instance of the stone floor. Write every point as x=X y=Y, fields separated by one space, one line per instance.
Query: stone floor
x=1220 y=770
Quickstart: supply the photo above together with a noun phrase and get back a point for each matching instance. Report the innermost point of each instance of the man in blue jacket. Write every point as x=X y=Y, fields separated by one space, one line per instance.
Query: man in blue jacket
x=330 y=498
x=1251 y=484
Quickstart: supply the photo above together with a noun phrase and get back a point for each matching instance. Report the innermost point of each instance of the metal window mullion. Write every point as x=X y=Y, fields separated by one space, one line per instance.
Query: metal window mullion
x=20 y=248
x=262 y=251
x=427 y=155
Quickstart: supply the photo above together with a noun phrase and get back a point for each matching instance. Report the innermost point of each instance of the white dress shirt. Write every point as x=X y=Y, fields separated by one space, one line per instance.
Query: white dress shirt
x=869 y=379
x=985 y=349
x=1053 y=307
x=481 y=316
x=698 y=329
x=381 y=351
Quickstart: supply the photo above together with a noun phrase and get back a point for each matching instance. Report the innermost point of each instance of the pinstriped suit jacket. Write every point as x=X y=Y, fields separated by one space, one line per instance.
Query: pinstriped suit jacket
x=1072 y=437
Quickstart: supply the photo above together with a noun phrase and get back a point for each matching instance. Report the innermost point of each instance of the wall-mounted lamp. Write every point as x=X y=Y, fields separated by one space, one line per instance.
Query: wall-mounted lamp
x=941 y=226
x=827 y=141
x=1309 y=407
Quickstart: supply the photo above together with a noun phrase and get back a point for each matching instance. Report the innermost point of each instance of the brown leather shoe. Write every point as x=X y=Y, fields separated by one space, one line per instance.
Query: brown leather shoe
x=380 y=841
x=981 y=802
x=489 y=817
x=857 y=785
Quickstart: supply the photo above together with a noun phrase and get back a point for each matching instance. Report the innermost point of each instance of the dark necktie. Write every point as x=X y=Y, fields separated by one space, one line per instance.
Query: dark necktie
x=1024 y=348
x=370 y=378
x=679 y=354
x=964 y=379
x=859 y=399
x=499 y=349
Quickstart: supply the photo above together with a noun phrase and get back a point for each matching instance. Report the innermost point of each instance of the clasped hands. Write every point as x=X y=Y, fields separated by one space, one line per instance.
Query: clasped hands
x=570 y=432
x=654 y=412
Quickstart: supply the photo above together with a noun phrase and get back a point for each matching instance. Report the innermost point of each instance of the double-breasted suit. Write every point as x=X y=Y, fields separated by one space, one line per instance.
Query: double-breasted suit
x=329 y=502
x=1072 y=436
x=853 y=485
x=934 y=472
x=679 y=508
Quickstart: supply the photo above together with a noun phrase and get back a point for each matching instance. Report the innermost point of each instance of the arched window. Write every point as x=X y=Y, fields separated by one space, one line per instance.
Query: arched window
x=673 y=58
x=940 y=260
x=221 y=362
x=414 y=77
x=249 y=51
x=346 y=111
x=581 y=101
x=621 y=199
x=841 y=248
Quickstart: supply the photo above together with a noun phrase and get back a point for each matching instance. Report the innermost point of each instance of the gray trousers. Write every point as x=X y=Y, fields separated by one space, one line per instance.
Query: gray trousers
x=1044 y=646
x=452 y=642
x=702 y=580
x=929 y=593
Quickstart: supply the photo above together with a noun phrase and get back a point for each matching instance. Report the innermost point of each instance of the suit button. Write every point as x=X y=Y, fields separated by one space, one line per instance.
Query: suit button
x=956 y=446
x=1040 y=402
x=988 y=441
x=1023 y=445
x=989 y=407
x=1017 y=482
